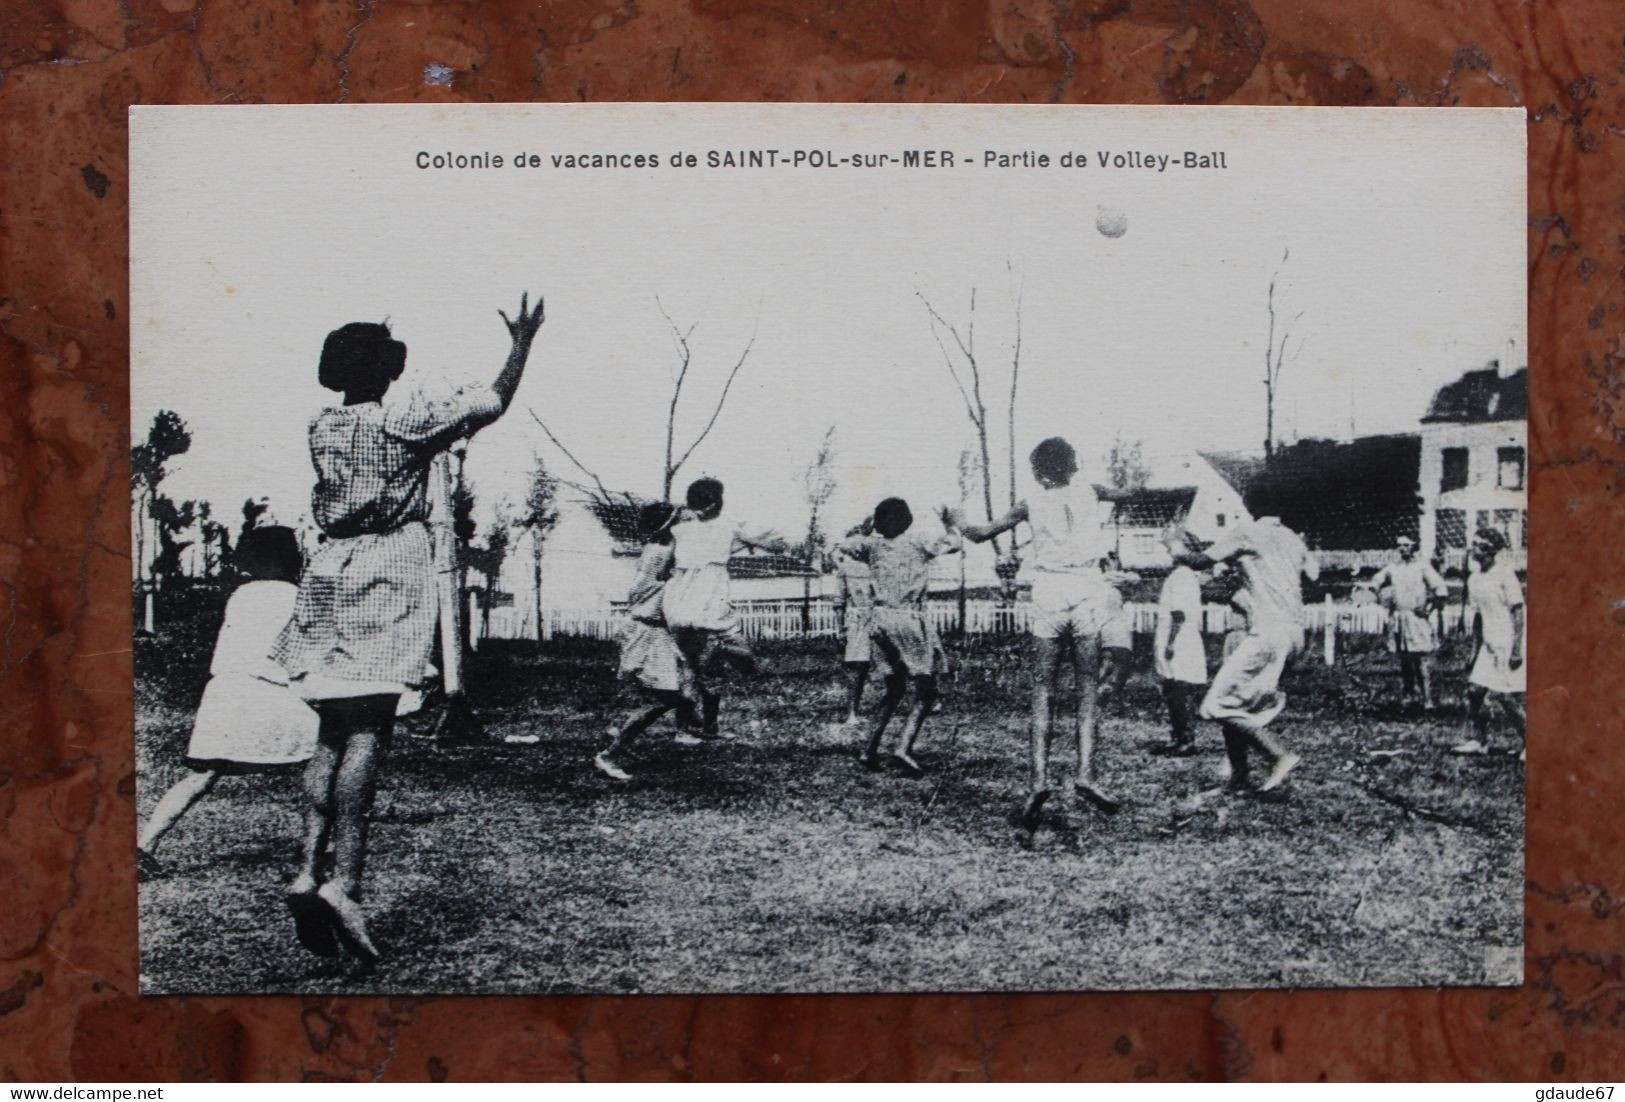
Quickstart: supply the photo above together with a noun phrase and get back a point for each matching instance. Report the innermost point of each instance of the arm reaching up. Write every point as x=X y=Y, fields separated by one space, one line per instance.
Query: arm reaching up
x=523 y=332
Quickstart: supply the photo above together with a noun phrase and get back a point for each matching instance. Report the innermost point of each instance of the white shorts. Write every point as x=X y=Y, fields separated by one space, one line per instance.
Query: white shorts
x=1078 y=604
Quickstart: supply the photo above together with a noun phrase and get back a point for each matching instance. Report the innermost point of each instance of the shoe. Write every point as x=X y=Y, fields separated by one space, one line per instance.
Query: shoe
x=1101 y=802
x=1284 y=764
x=1471 y=746
x=1030 y=812
x=1174 y=749
x=147 y=866
x=313 y=922
x=908 y=765
x=609 y=768
x=349 y=923
x=684 y=738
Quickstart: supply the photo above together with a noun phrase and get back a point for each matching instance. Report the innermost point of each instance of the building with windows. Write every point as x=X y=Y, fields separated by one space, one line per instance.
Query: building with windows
x=1474 y=464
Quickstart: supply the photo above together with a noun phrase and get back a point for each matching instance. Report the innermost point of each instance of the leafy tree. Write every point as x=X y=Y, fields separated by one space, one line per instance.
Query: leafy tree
x=167 y=437
x=1126 y=466
x=819 y=482
x=539 y=513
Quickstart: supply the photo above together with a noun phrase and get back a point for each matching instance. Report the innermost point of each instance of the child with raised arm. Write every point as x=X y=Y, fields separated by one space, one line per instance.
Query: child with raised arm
x=1072 y=602
x=249 y=719
x=854 y=603
x=1245 y=694
x=1177 y=650
x=363 y=626
x=899 y=630
x=697 y=602
x=1495 y=604
x=650 y=659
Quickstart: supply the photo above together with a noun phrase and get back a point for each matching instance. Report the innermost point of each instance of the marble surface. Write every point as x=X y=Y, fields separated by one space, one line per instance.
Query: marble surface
x=70 y=68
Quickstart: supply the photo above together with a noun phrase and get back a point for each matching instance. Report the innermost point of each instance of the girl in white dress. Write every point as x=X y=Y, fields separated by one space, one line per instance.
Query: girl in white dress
x=1181 y=660
x=697 y=604
x=650 y=660
x=1495 y=604
x=249 y=719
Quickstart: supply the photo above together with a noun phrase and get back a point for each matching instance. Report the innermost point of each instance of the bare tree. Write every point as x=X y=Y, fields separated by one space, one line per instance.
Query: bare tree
x=969 y=475
x=673 y=460
x=1275 y=357
x=969 y=378
x=1015 y=379
x=685 y=359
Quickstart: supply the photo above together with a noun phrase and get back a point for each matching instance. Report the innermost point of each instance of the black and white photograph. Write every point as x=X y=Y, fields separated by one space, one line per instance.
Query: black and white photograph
x=809 y=548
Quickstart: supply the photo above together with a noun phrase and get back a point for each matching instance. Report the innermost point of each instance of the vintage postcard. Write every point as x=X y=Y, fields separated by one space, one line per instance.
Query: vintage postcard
x=723 y=548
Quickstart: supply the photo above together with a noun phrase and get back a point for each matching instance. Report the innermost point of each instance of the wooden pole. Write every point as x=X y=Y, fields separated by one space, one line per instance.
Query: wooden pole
x=1331 y=631
x=457 y=722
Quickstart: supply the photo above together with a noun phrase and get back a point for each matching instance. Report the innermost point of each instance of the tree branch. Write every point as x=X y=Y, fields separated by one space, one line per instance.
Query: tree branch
x=686 y=356
x=1015 y=378
x=721 y=398
x=603 y=494
x=948 y=360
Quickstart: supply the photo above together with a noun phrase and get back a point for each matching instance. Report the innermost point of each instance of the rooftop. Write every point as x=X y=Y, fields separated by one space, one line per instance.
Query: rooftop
x=1482 y=396
x=1153 y=508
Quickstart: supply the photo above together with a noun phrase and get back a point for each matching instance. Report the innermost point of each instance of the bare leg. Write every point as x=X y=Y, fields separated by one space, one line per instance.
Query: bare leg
x=173 y=804
x=1512 y=705
x=896 y=685
x=1176 y=694
x=1236 y=740
x=925 y=694
x=1115 y=666
x=1424 y=670
x=857 y=674
x=1046 y=661
x=353 y=789
x=635 y=725
x=1086 y=663
x=318 y=786
x=1477 y=714
x=312 y=920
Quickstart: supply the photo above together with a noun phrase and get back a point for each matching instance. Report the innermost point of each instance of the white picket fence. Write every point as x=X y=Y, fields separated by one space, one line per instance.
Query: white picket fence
x=796 y=618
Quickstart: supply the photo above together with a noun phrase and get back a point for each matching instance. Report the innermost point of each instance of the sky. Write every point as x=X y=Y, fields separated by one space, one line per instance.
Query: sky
x=256 y=230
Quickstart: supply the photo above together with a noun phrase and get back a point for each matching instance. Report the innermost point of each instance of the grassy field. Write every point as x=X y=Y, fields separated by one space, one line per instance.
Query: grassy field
x=772 y=862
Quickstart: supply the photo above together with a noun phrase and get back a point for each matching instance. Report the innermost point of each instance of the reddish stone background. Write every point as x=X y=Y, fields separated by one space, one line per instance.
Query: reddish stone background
x=69 y=70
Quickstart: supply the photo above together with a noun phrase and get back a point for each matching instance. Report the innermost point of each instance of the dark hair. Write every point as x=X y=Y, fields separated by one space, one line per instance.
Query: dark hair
x=361 y=356
x=1055 y=459
x=704 y=493
x=269 y=554
x=893 y=517
x=1493 y=537
x=654 y=521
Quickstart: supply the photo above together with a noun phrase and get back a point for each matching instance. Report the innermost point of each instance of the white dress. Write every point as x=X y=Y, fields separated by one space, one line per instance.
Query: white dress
x=697 y=594
x=1491 y=596
x=1181 y=593
x=249 y=715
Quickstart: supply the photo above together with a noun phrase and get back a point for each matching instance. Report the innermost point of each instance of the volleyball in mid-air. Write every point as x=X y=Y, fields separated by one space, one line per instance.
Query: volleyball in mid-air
x=1111 y=222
